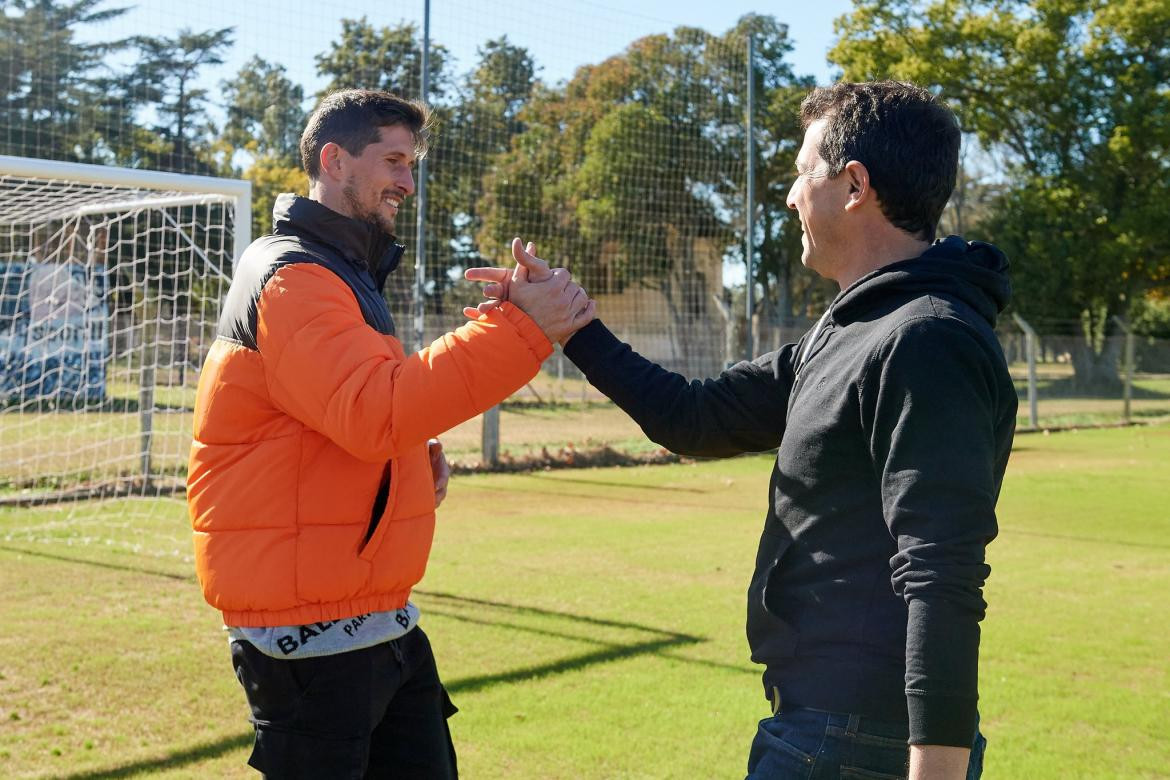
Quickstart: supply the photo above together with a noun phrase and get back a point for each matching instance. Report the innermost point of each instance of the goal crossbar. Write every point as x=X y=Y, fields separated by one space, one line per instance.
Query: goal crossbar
x=171 y=184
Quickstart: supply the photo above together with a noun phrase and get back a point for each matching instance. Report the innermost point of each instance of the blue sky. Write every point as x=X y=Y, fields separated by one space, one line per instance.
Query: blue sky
x=560 y=34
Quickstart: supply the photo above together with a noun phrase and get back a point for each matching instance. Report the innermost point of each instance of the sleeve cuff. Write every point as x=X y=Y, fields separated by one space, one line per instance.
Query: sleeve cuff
x=941 y=720
x=588 y=345
x=528 y=330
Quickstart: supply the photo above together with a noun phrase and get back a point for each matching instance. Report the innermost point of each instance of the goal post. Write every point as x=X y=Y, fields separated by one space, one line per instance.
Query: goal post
x=111 y=281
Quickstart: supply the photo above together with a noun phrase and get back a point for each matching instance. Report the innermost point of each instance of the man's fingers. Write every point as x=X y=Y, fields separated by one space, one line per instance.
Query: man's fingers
x=473 y=312
x=496 y=287
x=520 y=272
x=588 y=313
x=494 y=290
x=440 y=469
x=581 y=319
x=561 y=278
x=579 y=299
x=534 y=269
x=499 y=275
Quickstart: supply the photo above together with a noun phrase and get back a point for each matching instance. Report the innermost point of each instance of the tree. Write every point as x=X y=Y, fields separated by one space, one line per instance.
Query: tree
x=636 y=167
x=1075 y=97
x=265 y=118
x=388 y=58
x=166 y=75
x=57 y=102
x=789 y=289
x=481 y=124
x=265 y=112
x=270 y=176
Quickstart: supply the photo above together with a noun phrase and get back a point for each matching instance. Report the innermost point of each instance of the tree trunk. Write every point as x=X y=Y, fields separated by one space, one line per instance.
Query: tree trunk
x=1096 y=371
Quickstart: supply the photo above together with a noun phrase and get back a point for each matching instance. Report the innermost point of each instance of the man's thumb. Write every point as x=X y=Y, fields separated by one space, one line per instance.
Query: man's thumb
x=535 y=269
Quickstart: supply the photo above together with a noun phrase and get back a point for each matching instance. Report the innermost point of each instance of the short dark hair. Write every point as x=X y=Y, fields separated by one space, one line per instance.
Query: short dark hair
x=353 y=119
x=906 y=138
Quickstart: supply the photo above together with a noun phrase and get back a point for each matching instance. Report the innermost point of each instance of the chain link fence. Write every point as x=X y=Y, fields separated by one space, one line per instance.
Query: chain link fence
x=614 y=141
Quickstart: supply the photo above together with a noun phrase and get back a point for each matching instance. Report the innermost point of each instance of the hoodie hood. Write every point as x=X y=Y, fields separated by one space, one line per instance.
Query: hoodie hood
x=359 y=242
x=971 y=271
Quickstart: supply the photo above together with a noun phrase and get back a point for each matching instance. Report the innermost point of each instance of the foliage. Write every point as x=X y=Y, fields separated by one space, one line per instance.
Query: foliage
x=388 y=58
x=271 y=175
x=164 y=78
x=1075 y=96
x=53 y=90
x=637 y=161
x=265 y=113
x=477 y=126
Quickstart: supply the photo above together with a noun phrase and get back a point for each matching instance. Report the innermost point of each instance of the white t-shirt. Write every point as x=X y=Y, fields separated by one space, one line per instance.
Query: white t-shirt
x=329 y=637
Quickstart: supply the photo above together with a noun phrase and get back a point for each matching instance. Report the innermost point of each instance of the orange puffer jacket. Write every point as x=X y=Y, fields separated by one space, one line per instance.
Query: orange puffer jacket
x=309 y=485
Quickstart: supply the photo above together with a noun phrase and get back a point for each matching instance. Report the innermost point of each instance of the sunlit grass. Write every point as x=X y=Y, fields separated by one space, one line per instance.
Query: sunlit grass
x=590 y=625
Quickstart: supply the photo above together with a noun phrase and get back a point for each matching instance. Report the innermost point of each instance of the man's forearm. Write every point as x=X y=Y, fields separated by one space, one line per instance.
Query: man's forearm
x=938 y=762
x=741 y=411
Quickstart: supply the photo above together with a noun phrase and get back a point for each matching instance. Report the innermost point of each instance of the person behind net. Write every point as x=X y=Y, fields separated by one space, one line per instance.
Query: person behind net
x=313 y=477
x=893 y=418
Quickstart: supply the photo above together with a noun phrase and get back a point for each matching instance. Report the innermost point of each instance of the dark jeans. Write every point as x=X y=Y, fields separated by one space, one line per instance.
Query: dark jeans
x=374 y=713
x=807 y=744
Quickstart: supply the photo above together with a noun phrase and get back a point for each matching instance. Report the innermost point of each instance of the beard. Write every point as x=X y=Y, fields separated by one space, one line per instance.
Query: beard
x=359 y=212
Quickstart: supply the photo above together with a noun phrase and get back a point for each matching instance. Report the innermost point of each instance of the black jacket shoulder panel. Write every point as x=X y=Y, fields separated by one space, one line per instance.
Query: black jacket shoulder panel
x=262 y=260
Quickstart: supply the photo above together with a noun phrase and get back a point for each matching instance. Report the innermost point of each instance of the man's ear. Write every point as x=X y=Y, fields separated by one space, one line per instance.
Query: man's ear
x=860 y=191
x=330 y=161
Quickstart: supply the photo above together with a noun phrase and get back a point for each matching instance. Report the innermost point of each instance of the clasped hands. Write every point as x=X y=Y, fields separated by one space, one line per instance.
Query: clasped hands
x=558 y=305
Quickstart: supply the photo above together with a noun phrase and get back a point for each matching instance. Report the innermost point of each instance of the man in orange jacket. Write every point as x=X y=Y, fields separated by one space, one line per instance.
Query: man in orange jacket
x=311 y=487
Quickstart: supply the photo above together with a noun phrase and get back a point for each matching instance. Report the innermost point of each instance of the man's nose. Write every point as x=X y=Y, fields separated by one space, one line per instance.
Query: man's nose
x=405 y=182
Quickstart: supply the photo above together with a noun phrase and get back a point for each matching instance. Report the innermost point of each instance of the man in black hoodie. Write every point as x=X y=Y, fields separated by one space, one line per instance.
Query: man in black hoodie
x=893 y=418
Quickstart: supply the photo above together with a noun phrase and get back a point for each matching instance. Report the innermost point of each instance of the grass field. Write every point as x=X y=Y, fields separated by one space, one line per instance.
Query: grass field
x=590 y=625
x=62 y=449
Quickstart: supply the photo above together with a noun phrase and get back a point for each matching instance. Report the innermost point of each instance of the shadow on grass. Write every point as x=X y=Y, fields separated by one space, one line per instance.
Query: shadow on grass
x=99 y=564
x=576 y=663
x=681 y=501
x=595 y=621
x=111 y=405
x=1070 y=388
x=1087 y=539
x=173 y=761
x=661 y=641
x=545 y=477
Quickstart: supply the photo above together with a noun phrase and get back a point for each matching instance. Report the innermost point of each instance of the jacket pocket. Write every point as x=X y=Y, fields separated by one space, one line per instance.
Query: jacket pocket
x=769 y=636
x=383 y=499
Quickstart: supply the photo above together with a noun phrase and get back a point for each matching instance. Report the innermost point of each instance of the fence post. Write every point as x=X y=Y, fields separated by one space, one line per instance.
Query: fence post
x=491 y=436
x=728 y=331
x=1030 y=349
x=560 y=374
x=1129 y=361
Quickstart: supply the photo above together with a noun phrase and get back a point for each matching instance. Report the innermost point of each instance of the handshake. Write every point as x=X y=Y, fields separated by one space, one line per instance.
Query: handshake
x=558 y=305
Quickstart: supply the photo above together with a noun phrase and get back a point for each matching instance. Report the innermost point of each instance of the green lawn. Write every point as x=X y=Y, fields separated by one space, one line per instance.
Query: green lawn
x=590 y=625
x=48 y=450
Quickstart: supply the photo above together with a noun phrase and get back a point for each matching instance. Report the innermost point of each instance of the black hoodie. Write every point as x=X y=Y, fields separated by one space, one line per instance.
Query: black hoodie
x=894 y=419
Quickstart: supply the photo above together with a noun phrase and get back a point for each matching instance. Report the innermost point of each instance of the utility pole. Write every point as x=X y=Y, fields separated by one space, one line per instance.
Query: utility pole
x=749 y=205
x=420 y=250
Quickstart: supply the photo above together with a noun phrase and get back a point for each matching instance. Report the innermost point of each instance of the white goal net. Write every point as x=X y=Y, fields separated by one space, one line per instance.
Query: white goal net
x=110 y=286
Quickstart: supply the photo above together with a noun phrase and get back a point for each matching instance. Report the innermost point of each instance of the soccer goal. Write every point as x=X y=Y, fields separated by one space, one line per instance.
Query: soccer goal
x=111 y=281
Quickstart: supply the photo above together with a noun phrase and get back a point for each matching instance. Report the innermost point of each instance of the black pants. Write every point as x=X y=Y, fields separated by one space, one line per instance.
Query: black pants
x=374 y=713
